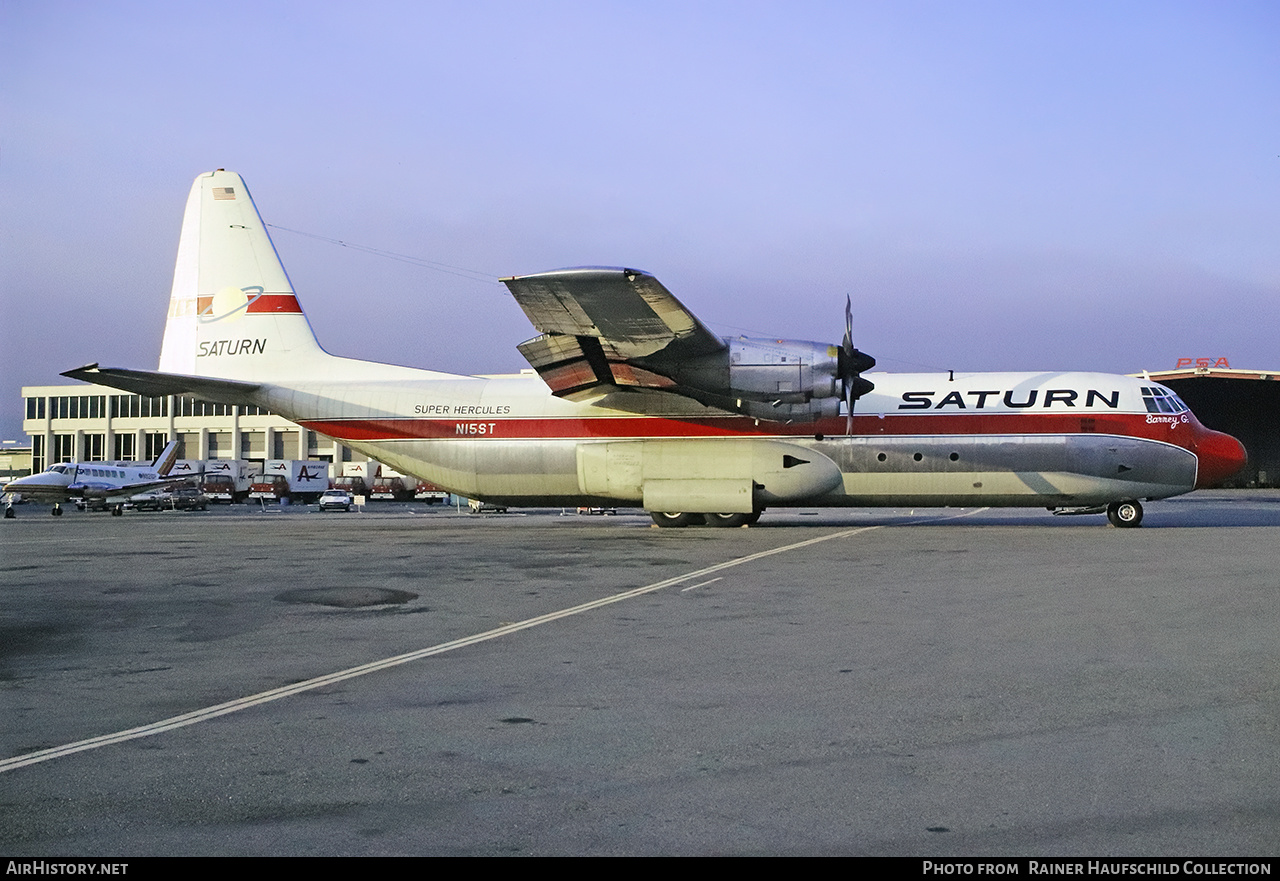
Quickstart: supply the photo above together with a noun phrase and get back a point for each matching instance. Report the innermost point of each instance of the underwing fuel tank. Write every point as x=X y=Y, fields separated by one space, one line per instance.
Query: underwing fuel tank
x=733 y=475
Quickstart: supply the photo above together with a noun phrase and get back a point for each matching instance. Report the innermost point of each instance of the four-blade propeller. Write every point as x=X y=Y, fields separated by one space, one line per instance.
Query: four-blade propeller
x=851 y=365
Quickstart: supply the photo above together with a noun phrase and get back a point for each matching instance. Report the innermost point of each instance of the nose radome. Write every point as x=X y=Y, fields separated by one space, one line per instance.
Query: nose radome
x=1221 y=456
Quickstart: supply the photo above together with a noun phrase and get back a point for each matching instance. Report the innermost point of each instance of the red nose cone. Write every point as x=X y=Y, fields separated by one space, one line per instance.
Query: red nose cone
x=1221 y=456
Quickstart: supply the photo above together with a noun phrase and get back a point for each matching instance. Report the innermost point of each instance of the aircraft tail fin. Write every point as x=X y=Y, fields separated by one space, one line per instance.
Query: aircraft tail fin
x=164 y=462
x=233 y=312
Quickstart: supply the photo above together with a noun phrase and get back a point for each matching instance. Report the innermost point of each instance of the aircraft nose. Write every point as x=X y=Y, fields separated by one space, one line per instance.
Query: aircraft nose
x=1221 y=456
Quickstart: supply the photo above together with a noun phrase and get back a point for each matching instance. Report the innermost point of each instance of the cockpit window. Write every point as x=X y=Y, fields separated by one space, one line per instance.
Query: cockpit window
x=60 y=469
x=1160 y=400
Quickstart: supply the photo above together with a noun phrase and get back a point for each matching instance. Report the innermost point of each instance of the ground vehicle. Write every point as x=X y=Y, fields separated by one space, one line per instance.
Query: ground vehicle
x=478 y=507
x=353 y=485
x=156 y=500
x=299 y=480
x=392 y=488
x=335 y=500
x=180 y=498
x=430 y=493
x=228 y=480
x=269 y=487
x=188 y=498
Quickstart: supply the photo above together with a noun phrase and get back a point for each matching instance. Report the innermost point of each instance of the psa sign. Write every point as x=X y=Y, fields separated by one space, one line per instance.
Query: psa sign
x=1202 y=362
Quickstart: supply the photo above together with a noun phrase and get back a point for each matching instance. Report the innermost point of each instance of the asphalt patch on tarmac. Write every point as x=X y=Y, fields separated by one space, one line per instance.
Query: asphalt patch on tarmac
x=347 y=597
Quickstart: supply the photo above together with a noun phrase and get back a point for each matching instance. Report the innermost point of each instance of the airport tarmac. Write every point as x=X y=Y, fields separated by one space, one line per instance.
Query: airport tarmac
x=875 y=682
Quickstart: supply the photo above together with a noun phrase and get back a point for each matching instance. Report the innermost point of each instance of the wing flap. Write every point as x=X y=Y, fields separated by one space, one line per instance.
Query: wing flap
x=572 y=364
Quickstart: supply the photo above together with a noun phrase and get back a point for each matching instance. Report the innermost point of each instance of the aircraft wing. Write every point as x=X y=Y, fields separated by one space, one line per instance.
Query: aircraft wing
x=152 y=384
x=605 y=326
x=125 y=491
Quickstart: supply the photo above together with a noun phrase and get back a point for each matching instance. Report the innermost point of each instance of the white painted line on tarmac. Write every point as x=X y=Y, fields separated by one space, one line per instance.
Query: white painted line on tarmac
x=264 y=697
x=701 y=584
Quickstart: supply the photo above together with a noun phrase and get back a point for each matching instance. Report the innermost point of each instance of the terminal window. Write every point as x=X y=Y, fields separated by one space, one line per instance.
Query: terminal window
x=184 y=406
x=155 y=445
x=78 y=406
x=138 y=406
x=64 y=448
x=126 y=447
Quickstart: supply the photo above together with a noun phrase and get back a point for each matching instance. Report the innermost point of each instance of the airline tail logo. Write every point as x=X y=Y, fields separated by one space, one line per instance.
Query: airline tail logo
x=228 y=304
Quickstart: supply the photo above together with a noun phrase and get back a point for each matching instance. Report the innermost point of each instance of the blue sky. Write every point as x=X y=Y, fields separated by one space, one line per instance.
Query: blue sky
x=998 y=185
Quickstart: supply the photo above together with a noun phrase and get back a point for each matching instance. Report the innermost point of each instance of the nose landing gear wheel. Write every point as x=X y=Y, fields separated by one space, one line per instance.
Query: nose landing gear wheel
x=1126 y=515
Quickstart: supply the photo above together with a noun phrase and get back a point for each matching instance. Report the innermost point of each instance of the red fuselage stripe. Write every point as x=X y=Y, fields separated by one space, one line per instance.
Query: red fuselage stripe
x=479 y=427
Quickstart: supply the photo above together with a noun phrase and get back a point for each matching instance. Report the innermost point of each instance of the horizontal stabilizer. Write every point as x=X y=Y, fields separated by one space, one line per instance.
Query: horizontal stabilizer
x=151 y=383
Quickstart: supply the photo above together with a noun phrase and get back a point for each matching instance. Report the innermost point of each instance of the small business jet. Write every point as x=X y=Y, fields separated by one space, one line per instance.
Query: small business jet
x=632 y=401
x=109 y=483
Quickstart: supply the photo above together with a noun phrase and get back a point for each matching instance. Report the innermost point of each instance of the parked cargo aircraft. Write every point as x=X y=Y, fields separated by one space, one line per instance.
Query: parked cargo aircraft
x=633 y=401
x=109 y=483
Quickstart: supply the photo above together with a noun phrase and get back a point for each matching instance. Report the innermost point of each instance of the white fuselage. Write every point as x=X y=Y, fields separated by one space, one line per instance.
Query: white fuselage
x=995 y=438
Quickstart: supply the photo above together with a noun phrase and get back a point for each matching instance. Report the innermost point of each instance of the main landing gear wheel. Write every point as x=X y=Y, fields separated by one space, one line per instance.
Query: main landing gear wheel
x=117 y=510
x=681 y=519
x=676 y=519
x=1126 y=515
x=729 y=521
x=726 y=521
x=57 y=511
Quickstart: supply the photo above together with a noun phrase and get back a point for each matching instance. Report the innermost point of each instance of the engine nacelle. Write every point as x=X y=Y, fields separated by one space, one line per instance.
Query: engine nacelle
x=88 y=492
x=778 y=380
x=786 y=371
